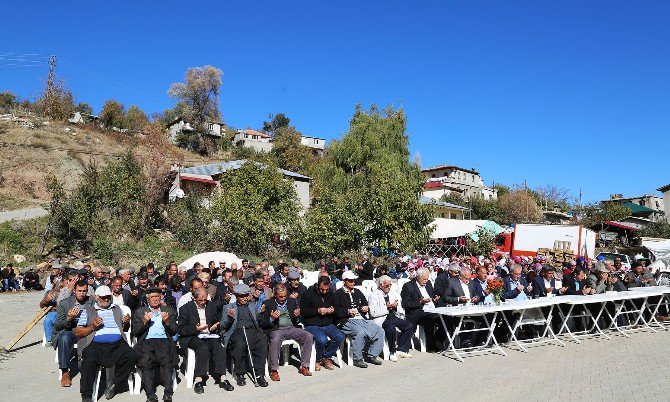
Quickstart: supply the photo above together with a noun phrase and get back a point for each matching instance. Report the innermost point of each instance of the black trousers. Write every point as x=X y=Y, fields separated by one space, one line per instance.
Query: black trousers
x=434 y=330
x=258 y=344
x=118 y=355
x=152 y=354
x=208 y=350
x=406 y=331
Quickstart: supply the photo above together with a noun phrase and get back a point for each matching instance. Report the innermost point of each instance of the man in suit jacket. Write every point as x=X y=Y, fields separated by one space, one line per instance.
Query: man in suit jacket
x=281 y=317
x=576 y=284
x=461 y=290
x=242 y=333
x=480 y=284
x=515 y=285
x=154 y=326
x=546 y=283
x=417 y=296
x=198 y=330
x=123 y=296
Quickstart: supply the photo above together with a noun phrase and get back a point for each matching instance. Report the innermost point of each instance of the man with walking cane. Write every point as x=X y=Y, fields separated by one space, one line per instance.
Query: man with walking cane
x=244 y=338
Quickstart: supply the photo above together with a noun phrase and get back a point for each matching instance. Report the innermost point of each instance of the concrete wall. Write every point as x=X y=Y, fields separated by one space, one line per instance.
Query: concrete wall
x=666 y=205
x=302 y=190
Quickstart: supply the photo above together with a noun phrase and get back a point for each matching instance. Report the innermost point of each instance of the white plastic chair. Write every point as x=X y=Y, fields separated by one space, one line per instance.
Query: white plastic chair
x=286 y=352
x=420 y=334
x=370 y=285
x=366 y=292
x=339 y=285
x=138 y=381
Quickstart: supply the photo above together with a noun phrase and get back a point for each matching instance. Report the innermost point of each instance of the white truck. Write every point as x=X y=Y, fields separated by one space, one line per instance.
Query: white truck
x=526 y=239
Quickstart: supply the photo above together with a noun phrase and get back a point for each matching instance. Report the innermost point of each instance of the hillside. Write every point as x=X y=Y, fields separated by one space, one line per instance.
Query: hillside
x=29 y=155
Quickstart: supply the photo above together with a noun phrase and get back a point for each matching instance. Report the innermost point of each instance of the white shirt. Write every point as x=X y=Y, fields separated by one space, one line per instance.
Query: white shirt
x=118 y=300
x=466 y=290
x=424 y=294
x=547 y=284
x=187 y=298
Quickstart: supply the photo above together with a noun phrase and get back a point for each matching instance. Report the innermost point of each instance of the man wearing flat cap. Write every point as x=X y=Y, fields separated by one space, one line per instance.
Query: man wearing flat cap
x=294 y=288
x=154 y=327
x=242 y=333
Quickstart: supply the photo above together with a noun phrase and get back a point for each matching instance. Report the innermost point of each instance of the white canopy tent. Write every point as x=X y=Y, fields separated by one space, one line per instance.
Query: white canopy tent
x=445 y=228
x=216 y=256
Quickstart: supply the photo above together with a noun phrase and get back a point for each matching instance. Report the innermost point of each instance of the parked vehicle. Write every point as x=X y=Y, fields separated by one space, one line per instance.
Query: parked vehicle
x=626 y=260
x=527 y=239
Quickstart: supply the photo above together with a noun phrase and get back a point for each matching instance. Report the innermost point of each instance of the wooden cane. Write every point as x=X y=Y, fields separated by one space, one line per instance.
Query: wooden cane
x=28 y=327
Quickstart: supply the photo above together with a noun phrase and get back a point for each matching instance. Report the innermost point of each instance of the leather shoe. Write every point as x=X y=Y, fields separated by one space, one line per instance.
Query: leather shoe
x=152 y=398
x=65 y=380
x=225 y=384
x=261 y=381
x=274 y=375
x=304 y=371
x=110 y=391
x=375 y=360
x=198 y=388
x=167 y=398
x=239 y=378
x=327 y=363
x=360 y=363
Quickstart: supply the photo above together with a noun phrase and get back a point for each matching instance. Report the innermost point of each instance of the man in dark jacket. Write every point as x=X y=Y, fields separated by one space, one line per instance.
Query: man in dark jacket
x=546 y=284
x=294 y=288
x=335 y=268
x=365 y=270
x=198 y=330
x=351 y=308
x=242 y=334
x=67 y=317
x=318 y=316
x=154 y=326
x=121 y=296
x=281 y=276
x=417 y=296
x=280 y=315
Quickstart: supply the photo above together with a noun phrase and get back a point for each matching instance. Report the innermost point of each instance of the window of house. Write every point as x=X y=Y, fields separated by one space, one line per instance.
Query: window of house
x=246 y=135
x=211 y=127
x=444 y=174
x=453 y=216
x=255 y=137
x=432 y=175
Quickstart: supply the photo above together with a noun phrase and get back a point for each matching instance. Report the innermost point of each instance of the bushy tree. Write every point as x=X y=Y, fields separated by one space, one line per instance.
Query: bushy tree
x=280 y=120
x=657 y=229
x=112 y=114
x=136 y=119
x=519 y=206
x=84 y=108
x=255 y=208
x=56 y=103
x=367 y=189
x=289 y=151
x=7 y=101
x=199 y=93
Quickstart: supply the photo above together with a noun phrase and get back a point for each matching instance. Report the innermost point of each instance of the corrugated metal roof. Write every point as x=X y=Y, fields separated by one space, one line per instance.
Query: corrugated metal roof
x=429 y=201
x=213 y=169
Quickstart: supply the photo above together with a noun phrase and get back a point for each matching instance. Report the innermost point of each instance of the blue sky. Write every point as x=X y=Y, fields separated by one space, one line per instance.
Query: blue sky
x=574 y=94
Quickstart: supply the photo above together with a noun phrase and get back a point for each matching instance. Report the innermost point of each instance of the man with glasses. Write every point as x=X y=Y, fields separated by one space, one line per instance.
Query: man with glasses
x=242 y=333
x=102 y=342
x=351 y=307
x=383 y=304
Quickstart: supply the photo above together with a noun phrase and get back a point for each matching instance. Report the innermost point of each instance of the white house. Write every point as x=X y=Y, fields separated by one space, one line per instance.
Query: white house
x=204 y=179
x=253 y=139
x=666 y=200
x=178 y=126
x=455 y=179
x=317 y=144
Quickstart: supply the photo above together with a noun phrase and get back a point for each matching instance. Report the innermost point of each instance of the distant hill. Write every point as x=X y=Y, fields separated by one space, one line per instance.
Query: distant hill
x=29 y=155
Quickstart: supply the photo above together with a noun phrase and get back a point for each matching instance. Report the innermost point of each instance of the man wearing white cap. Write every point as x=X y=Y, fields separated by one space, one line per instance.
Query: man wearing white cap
x=102 y=342
x=350 y=308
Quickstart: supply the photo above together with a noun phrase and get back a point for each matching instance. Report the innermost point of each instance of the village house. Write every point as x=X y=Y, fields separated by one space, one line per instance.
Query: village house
x=645 y=206
x=178 y=126
x=666 y=200
x=447 y=179
x=263 y=142
x=205 y=179
x=82 y=118
x=443 y=209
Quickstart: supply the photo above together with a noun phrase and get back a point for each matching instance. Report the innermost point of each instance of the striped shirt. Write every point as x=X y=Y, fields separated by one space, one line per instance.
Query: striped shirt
x=109 y=332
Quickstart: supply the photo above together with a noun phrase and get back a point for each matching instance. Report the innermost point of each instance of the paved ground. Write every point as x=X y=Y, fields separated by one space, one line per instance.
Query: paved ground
x=23 y=214
x=622 y=369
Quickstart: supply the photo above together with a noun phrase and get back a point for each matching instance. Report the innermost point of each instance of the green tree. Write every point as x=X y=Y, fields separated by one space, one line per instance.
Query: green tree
x=7 y=101
x=280 y=120
x=289 y=151
x=199 y=93
x=112 y=114
x=256 y=208
x=136 y=119
x=657 y=229
x=84 y=108
x=56 y=103
x=367 y=188
x=484 y=245
x=485 y=209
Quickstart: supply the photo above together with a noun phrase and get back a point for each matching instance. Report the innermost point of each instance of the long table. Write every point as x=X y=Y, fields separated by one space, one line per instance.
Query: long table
x=544 y=309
